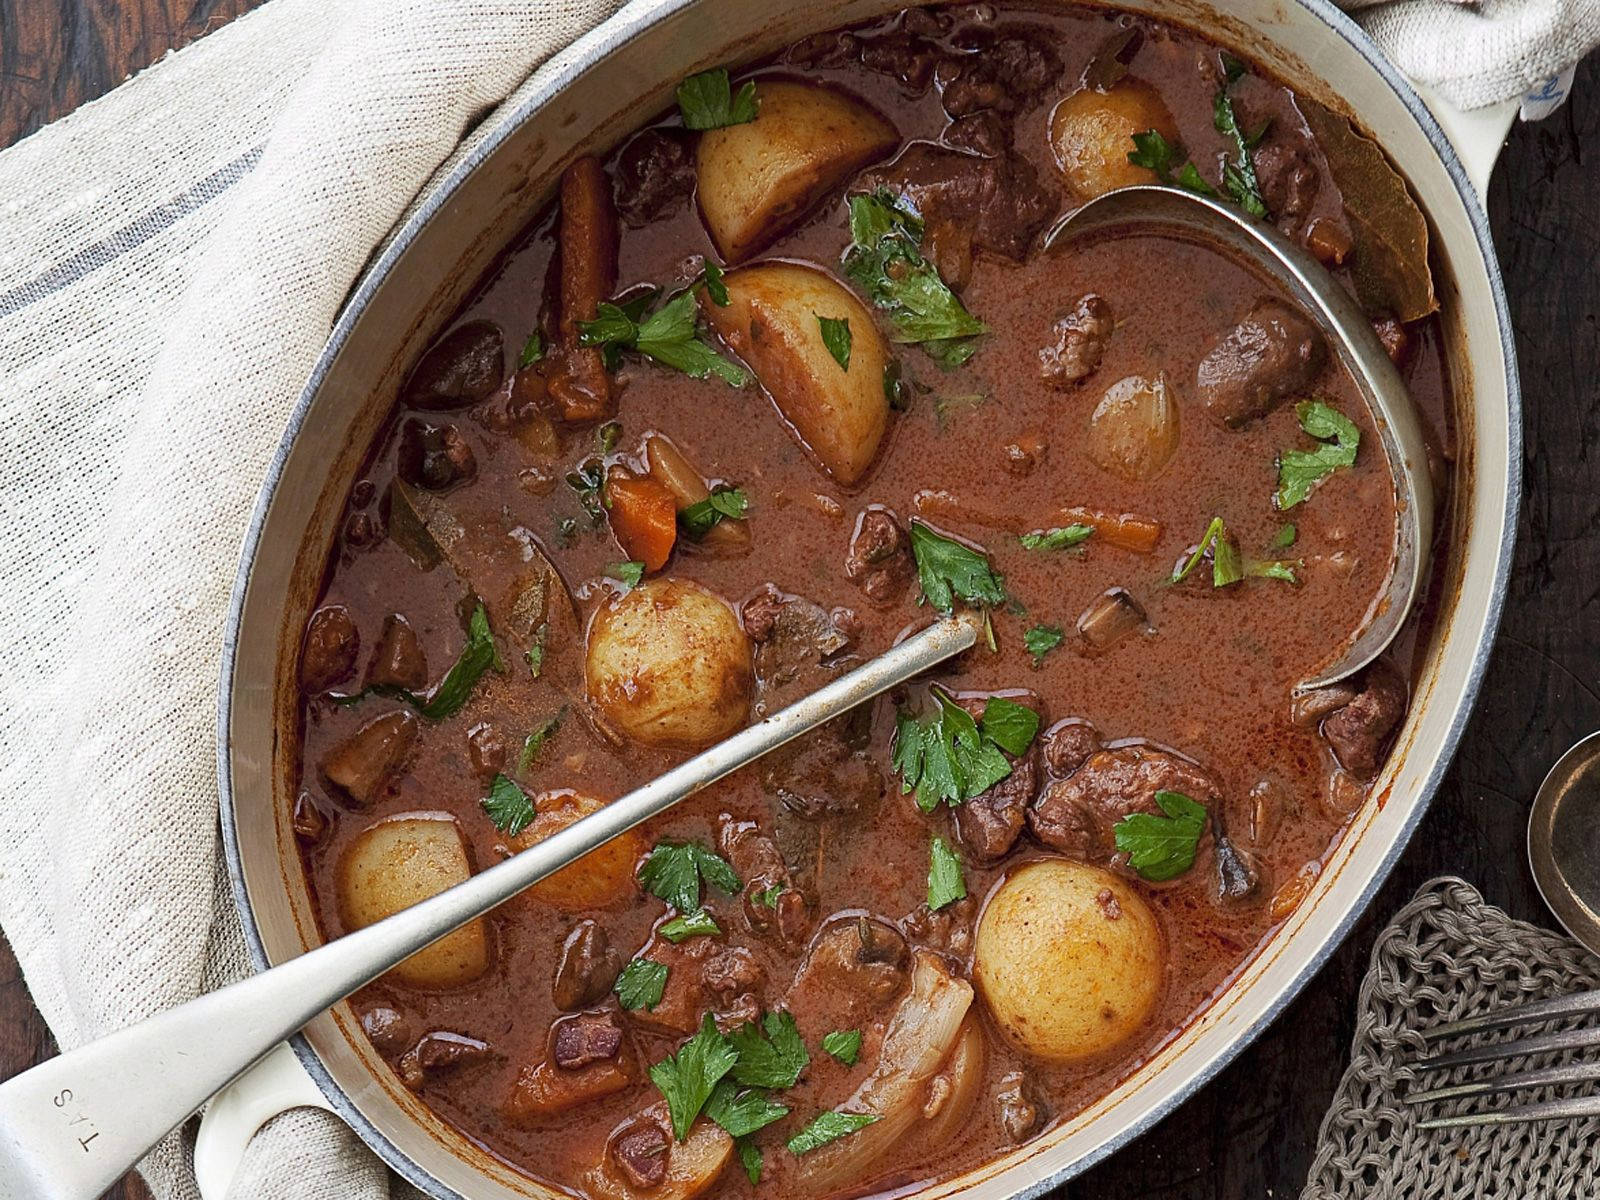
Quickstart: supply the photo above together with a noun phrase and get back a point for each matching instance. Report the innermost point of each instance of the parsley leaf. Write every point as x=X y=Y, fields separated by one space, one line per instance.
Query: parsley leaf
x=946 y=882
x=534 y=742
x=947 y=571
x=769 y=896
x=699 y=923
x=607 y=436
x=885 y=260
x=668 y=336
x=1067 y=537
x=535 y=653
x=707 y=101
x=588 y=480
x=1224 y=558
x=627 y=573
x=642 y=983
x=774 y=1060
x=948 y=757
x=1041 y=639
x=827 y=1127
x=741 y=1113
x=1155 y=153
x=532 y=350
x=1301 y=470
x=836 y=337
x=674 y=870
x=1285 y=537
x=750 y=1160
x=1009 y=725
x=1162 y=848
x=508 y=806
x=724 y=503
x=715 y=287
x=687 y=1078
x=446 y=699
x=843 y=1044
x=1238 y=177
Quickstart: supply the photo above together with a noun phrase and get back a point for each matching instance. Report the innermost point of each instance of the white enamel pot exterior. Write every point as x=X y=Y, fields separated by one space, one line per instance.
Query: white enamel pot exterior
x=586 y=98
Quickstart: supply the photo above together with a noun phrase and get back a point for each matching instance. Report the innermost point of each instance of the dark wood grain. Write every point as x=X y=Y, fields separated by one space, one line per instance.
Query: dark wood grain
x=1250 y=1134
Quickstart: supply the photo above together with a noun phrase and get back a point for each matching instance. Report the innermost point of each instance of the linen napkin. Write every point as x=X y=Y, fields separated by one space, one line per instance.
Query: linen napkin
x=171 y=259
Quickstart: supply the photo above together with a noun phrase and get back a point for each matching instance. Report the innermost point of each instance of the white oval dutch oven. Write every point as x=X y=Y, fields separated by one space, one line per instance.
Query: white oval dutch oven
x=588 y=97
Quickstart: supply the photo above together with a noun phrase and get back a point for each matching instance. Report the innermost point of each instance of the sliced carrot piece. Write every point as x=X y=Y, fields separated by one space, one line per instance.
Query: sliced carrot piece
x=644 y=517
x=1125 y=530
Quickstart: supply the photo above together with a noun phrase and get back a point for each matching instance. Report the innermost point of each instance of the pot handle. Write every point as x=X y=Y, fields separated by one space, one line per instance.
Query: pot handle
x=1477 y=134
x=274 y=1085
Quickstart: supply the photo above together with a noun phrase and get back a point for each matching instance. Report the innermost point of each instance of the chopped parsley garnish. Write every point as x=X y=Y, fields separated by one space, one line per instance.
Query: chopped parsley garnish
x=741 y=1113
x=627 y=573
x=949 y=571
x=532 y=350
x=708 y=101
x=1238 y=176
x=828 y=1127
x=1162 y=848
x=715 y=287
x=844 y=1045
x=508 y=806
x=949 y=757
x=1067 y=537
x=836 y=337
x=642 y=983
x=1273 y=569
x=885 y=260
x=724 y=504
x=674 y=871
x=1285 y=537
x=750 y=1160
x=1301 y=470
x=668 y=336
x=1153 y=152
x=946 y=883
x=770 y=1060
x=480 y=655
x=534 y=742
x=607 y=436
x=699 y=923
x=588 y=480
x=1227 y=565
x=1039 y=640
x=769 y=896
x=687 y=1078
x=535 y=653
x=895 y=389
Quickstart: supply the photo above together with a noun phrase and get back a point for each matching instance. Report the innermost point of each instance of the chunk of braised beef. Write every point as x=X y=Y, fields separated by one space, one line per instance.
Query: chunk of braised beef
x=948 y=930
x=398 y=660
x=773 y=904
x=793 y=637
x=735 y=981
x=1080 y=342
x=880 y=562
x=1014 y=69
x=1360 y=731
x=362 y=765
x=386 y=1028
x=1289 y=180
x=435 y=456
x=1272 y=353
x=1075 y=815
x=1068 y=744
x=438 y=1052
x=640 y=1149
x=969 y=203
x=587 y=968
x=584 y=1038
x=1024 y=1111
x=461 y=368
x=486 y=751
x=988 y=825
x=655 y=174
x=827 y=772
x=331 y=646
x=906 y=56
x=985 y=133
x=855 y=963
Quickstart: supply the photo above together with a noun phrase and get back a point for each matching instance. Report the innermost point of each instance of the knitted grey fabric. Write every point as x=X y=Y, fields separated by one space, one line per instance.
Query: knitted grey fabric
x=1448 y=954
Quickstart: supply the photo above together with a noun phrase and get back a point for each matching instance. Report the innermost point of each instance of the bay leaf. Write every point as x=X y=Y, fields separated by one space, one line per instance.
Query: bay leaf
x=1389 y=263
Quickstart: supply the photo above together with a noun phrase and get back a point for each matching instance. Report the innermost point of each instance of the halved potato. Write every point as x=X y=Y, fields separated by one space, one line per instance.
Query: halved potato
x=757 y=179
x=602 y=876
x=772 y=321
x=668 y=664
x=403 y=861
x=1092 y=132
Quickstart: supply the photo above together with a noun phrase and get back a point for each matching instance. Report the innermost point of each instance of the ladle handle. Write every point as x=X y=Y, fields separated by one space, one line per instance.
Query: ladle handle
x=72 y=1126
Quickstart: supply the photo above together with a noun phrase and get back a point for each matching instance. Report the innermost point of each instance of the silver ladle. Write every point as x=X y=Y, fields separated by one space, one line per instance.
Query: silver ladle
x=1564 y=841
x=1157 y=209
x=72 y=1126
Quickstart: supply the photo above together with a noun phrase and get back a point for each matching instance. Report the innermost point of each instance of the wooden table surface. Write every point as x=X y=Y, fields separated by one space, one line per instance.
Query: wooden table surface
x=1250 y=1134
